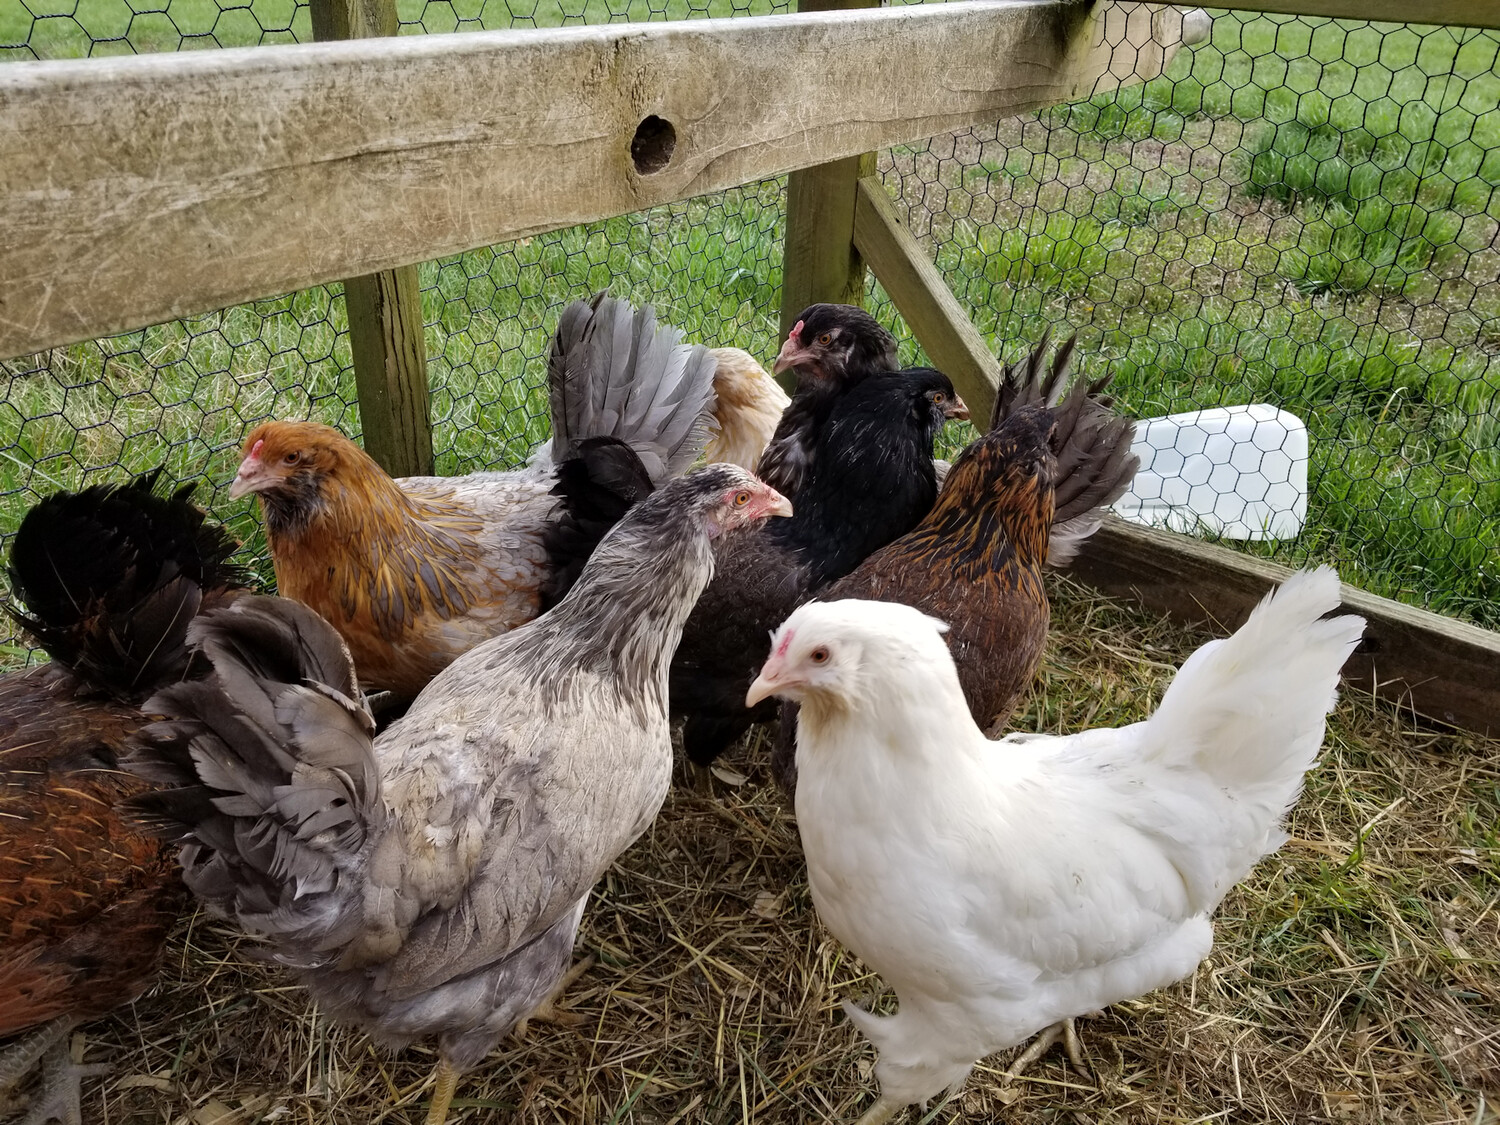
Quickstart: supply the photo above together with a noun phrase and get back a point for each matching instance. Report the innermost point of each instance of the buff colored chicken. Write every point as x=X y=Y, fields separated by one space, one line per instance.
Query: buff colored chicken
x=750 y=404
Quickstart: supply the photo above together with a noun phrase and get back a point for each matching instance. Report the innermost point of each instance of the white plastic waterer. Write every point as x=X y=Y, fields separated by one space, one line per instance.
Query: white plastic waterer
x=1239 y=472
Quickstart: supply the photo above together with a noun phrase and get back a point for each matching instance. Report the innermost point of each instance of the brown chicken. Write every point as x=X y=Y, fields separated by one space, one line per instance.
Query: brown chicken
x=110 y=578
x=750 y=404
x=415 y=572
x=976 y=560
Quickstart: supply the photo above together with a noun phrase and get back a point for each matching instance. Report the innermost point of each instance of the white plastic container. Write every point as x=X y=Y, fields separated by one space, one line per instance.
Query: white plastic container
x=1239 y=472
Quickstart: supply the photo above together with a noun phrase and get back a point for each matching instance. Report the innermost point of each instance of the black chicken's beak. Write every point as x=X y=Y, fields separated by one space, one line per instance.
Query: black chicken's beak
x=957 y=408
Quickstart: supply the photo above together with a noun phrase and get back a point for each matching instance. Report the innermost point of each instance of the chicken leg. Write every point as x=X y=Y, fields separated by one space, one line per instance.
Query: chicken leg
x=445 y=1081
x=61 y=1096
x=547 y=1011
x=882 y=1111
x=1067 y=1031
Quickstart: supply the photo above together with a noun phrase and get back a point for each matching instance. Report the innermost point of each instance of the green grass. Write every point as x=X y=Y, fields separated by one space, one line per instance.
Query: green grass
x=1301 y=212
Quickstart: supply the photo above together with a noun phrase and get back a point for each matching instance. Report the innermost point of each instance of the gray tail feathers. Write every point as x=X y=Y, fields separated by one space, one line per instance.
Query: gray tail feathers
x=268 y=775
x=1094 y=462
x=615 y=371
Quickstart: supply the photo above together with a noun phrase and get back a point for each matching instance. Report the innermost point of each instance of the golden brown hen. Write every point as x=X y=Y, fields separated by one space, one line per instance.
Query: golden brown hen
x=110 y=577
x=414 y=573
x=1038 y=478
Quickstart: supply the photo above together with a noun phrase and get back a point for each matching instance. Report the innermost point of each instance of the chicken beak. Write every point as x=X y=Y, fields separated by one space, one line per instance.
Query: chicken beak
x=251 y=477
x=781 y=507
x=792 y=353
x=957 y=408
x=766 y=685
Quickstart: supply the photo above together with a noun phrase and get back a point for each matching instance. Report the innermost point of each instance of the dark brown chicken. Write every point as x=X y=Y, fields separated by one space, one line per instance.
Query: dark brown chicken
x=110 y=578
x=976 y=560
x=831 y=348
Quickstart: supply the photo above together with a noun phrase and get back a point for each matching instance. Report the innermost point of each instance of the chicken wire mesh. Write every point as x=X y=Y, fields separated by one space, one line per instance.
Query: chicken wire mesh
x=1301 y=213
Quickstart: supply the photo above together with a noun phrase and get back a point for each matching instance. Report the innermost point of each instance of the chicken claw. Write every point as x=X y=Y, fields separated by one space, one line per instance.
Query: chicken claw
x=882 y=1111
x=547 y=1011
x=60 y=1098
x=1067 y=1031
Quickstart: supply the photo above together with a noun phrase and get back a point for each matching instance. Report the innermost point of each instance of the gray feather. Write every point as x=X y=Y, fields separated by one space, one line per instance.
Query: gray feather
x=614 y=371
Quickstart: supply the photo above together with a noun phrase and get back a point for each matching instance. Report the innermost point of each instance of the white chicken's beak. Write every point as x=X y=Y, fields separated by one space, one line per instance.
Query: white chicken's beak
x=767 y=684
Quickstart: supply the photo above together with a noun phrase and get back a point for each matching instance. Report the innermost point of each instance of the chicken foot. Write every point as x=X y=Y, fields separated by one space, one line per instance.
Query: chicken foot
x=548 y=1011
x=882 y=1111
x=1067 y=1031
x=61 y=1095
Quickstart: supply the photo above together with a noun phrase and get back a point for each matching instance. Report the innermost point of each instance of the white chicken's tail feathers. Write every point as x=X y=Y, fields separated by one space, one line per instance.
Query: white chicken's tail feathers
x=615 y=371
x=269 y=775
x=1250 y=710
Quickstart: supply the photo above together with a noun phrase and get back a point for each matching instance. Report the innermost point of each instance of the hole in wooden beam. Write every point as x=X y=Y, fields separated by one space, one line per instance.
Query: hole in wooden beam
x=652 y=147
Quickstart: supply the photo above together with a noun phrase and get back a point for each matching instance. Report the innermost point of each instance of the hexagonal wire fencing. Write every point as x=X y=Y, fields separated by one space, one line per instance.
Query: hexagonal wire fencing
x=1299 y=222
x=1301 y=214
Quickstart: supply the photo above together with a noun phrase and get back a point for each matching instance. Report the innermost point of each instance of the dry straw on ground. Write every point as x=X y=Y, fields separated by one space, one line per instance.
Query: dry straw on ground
x=1356 y=976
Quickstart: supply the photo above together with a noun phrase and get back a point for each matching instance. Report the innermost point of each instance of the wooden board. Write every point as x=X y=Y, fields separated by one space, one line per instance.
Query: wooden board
x=387 y=340
x=1459 y=13
x=138 y=189
x=1444 y=669
x=924 y=300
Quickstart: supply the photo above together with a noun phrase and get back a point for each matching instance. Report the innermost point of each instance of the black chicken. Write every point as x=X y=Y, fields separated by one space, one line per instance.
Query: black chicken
x=110 y=577
x=832 y=348
x=871 y=480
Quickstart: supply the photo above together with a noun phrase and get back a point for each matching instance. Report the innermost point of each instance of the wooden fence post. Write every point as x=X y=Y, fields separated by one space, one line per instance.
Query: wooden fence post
x=819 y=261
x=386 y=335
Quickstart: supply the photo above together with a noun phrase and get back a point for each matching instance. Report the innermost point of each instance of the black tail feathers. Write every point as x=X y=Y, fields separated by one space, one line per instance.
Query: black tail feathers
x=111 y=575
x=598 y=485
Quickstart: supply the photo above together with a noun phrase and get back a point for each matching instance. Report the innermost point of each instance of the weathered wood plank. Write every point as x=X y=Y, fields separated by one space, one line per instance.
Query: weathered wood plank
x=387 y=340
x=1459 y=13
x=924 y=300
x=819 y=262
x=389 y=346
x=134 y=190
x=1444 y=669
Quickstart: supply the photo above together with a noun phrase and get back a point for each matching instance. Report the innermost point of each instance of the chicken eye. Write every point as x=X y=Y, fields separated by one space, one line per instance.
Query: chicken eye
x=741 y=498
x=939 y=398
x=818 y=656
x=825 y=339
x=292 y=458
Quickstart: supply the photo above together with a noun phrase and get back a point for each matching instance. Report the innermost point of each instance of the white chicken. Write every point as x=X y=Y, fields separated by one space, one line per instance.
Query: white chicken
x=1001 y=888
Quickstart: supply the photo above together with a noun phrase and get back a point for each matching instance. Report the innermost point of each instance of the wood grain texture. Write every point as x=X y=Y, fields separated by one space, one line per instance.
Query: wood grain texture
x=389 y=347
x=138 y=189
x=1460 y=13
x=924 y=300
x=1444 y=669
x=387 y=340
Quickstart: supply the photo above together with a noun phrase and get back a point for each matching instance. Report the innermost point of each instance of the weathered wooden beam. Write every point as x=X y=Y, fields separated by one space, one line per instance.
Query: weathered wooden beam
x=1459 y=13
x=1444 y=669
x=819 y=262
x=924 y=300
x=387 y=340
x=138 y=189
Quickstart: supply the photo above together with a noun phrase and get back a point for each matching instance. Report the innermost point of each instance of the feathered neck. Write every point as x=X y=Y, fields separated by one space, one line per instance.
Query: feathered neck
x=624 y=617
x=988 y=520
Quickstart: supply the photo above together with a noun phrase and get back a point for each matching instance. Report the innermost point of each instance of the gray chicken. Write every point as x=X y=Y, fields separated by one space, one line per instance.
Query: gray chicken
x=431 y=881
